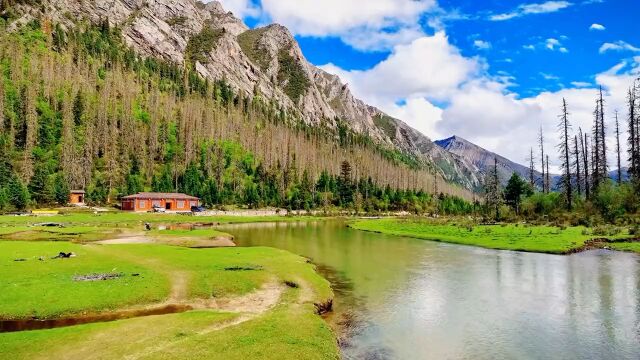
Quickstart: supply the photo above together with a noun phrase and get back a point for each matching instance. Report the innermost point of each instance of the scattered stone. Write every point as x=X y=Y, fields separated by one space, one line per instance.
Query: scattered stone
x=135 y=275
x=147 y=226
x=20 y=260
x=291 y=284
x=98 y=277
x=244 y=268
x=63 y=255
x=49 y=224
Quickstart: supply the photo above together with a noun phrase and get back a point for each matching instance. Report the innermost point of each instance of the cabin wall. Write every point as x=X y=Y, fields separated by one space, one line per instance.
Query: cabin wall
x=76 y=199
x=142 y=205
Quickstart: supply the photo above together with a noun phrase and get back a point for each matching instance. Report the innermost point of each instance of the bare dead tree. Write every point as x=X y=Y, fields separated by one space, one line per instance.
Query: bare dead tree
x=576 y=153
x=542 y=158
x=565 y=155
x=618 y=150
x=584 y=144
x=532 y=170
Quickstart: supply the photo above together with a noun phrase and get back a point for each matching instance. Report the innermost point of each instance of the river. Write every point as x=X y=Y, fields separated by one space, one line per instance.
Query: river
x=401 y=298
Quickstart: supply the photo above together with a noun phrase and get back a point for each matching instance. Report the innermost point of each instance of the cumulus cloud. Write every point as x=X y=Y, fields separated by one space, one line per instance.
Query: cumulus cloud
x=481 y=44
x=618 y=46
x=393 y=21
x=428 y=67
x=597 y=27
x=529 y=9
x=448 y=94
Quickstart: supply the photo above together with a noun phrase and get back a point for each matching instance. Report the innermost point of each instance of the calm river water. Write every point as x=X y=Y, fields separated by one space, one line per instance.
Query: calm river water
x=399 y=298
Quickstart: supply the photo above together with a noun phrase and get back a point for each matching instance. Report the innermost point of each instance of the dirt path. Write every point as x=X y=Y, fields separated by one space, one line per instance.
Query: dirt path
x=141 y=238
x=133 y=239
x=249 y=306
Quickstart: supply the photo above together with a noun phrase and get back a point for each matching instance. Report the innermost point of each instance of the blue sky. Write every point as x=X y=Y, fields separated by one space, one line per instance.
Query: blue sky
x=491 y=71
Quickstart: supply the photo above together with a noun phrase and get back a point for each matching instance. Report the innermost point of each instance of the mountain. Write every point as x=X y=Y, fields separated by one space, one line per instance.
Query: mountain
x=265 y=62
x=483 y=160
x=613 y=174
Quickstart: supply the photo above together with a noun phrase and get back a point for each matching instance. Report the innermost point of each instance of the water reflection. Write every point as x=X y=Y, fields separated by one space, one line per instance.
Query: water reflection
x=401 y=298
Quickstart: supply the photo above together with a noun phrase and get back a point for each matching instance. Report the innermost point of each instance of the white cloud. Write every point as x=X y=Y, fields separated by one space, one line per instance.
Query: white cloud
x=555 y=45
x=481 y=44
x=240 y=8
x=618 y=46
x=446 y=94
x=597 y=27
x=549 y=76
x=581 y=84
x=528 y=9
x=428 y=67
x=390 y=21
x=529 y=47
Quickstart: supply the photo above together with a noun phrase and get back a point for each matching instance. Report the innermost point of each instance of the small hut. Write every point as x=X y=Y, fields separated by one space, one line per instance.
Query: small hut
x=76 y=197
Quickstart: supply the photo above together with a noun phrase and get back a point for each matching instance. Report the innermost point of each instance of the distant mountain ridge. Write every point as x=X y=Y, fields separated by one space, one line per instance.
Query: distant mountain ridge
x=483 y=160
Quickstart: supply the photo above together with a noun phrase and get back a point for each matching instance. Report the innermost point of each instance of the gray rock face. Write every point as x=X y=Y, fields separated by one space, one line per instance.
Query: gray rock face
x=250 y=59
x=483 y=159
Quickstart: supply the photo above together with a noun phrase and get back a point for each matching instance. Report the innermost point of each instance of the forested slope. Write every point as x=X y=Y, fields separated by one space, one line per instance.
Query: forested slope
x=84 y=110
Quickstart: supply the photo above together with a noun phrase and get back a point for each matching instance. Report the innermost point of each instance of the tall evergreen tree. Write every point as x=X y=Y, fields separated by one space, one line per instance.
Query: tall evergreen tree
x=515 y=189
x=61 y=189
x=17 y=193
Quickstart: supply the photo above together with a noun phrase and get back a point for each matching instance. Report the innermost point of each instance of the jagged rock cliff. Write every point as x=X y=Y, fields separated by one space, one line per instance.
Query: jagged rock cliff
x=483 y=159
x=267 y=60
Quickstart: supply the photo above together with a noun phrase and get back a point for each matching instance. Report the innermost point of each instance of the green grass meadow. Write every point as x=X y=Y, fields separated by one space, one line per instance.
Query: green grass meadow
x=516 y=237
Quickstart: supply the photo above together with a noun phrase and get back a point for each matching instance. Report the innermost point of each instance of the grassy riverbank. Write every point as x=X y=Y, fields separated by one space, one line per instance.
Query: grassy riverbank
x=246 y=302
x=85 y=227
x=517 y=237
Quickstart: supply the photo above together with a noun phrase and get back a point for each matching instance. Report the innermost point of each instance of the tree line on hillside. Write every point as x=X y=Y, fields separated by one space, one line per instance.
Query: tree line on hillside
x=80 y=110
x=586 y=193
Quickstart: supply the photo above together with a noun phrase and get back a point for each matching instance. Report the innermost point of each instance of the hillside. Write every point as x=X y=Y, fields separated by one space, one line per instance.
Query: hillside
x=265 y=61
x=483 y=159
x=87 y=108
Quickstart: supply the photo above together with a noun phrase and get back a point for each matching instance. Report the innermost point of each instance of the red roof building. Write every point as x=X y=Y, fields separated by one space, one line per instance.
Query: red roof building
x=143 y=202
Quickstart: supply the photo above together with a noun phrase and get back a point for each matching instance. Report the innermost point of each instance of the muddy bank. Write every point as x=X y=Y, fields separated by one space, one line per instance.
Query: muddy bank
x=254 y=304
x=38 y=324
x=600 y=244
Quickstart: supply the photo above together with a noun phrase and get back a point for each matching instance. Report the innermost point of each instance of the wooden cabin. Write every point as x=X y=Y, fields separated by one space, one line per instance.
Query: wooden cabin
x=76 y=197
x=174 y=202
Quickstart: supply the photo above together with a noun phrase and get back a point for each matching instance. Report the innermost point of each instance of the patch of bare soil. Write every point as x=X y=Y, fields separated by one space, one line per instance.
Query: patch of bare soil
x=256 y=302
x=220 y=241
x=136 y=239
